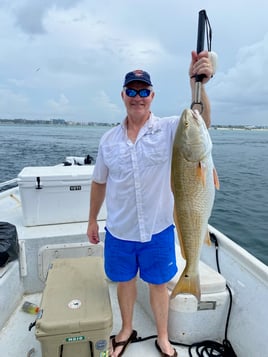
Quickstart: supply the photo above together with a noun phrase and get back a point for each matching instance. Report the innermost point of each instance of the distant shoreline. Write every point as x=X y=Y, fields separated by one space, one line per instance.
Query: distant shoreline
x=73 y=123
x=53 y=122
x=240 y=127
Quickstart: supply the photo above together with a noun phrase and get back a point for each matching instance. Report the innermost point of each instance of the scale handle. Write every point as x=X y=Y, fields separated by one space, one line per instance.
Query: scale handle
x=201 y=38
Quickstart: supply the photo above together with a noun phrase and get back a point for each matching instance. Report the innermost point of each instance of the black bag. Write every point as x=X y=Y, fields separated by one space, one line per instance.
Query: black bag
x=9 y=245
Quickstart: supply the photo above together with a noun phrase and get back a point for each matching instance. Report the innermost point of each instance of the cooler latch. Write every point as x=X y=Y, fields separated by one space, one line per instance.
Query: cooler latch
x=38 y=185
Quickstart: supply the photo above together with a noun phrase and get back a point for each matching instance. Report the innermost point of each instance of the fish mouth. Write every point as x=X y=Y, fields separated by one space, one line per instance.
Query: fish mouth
x=195 y=142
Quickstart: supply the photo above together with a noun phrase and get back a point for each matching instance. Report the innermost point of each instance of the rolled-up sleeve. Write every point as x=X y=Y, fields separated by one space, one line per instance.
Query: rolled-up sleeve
x=100 y=172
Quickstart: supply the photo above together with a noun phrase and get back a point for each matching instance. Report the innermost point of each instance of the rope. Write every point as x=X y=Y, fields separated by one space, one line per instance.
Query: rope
x=212 y=349
x=205 y=348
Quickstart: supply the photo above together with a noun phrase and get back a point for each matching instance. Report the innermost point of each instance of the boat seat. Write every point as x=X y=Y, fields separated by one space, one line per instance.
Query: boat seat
x=210 y=280
x=187 y=315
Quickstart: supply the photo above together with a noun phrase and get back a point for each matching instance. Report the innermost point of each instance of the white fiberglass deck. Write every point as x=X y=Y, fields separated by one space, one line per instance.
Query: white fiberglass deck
x=16 y=340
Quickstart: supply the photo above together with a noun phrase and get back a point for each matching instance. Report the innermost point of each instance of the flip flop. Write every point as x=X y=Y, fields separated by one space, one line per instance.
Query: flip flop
x=125 y=343
x=175 y=354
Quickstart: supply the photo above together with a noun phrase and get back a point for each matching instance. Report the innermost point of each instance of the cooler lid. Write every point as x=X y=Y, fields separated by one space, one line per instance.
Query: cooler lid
x=54 y=173
x=76 y=297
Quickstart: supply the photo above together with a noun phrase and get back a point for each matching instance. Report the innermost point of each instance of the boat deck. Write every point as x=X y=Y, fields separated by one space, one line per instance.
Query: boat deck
x=246 y=276
x=16 y=340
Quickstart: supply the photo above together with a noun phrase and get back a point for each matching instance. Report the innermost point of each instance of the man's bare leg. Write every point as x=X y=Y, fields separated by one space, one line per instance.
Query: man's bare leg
x=159 y=299
x=127 y=294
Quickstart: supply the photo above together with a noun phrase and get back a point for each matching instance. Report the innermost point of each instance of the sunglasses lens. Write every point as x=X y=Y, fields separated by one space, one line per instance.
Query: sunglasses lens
x=144 y=93
x=131 y=92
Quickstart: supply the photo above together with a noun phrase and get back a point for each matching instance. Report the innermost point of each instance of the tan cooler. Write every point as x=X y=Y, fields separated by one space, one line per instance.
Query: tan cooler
x=76 y=315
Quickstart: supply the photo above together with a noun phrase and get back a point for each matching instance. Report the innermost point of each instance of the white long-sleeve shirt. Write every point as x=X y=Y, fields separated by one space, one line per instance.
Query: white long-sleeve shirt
x=139 y=199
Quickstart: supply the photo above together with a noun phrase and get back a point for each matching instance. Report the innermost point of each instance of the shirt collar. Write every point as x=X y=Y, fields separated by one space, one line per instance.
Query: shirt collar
x=149 y=124
x=152 y=125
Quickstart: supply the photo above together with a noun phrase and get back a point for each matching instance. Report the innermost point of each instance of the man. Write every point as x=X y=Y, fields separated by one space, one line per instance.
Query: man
x=133 y=172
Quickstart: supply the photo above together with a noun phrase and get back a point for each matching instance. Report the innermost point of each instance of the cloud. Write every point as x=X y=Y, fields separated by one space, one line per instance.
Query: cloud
x=31 y=14
x=244 y=86
x=60 y=106
x=12 y=100
x=106 y=110
x=84 y=48
x=30 y=17
x=96 y=108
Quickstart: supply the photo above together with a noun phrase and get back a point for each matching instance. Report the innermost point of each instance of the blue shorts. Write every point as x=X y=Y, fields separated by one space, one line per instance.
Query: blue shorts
x=155 y=260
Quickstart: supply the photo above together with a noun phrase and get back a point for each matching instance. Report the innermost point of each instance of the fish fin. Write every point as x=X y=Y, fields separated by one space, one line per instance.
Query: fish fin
x=187 y=285
x=207 y=238
x=179 y=233
x=201 y=173
x=216 y=179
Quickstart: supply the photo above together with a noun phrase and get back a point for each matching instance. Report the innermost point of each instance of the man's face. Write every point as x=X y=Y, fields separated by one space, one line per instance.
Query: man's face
x=137 y=106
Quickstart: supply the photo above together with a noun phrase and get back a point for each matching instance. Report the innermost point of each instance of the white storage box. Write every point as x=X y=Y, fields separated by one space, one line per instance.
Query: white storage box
x=56 y=194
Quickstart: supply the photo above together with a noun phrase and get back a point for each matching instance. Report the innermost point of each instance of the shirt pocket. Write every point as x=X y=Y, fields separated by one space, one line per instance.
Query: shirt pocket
x=116 y=158
x=156 y=150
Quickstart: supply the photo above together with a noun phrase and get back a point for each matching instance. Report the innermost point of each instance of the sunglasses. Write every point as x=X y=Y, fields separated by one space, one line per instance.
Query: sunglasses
x=143 y=93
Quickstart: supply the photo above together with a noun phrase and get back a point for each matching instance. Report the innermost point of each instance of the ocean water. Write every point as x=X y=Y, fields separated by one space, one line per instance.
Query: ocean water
x=240 y=156
x=241 y=205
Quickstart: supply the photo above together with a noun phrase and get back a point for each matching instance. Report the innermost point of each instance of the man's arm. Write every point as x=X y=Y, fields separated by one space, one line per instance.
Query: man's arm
x=97 y=196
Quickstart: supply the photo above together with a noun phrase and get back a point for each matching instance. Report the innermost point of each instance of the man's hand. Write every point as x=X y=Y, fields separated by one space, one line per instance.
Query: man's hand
x=201 y=64
x=93 y=232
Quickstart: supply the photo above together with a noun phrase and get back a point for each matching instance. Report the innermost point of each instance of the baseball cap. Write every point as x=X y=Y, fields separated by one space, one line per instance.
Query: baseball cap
x=137 y=75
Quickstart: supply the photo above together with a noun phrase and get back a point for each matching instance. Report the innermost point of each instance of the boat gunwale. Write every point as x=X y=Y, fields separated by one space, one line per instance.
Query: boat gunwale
x=247 y=260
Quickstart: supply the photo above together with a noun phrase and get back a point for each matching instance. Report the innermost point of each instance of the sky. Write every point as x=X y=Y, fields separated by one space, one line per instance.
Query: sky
x=68 y=58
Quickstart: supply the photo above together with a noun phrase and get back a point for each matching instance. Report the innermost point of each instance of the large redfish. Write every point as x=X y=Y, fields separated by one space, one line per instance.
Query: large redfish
x=193 y=180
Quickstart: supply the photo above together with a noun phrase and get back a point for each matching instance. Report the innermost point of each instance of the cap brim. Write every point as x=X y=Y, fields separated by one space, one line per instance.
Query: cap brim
x=138 y=80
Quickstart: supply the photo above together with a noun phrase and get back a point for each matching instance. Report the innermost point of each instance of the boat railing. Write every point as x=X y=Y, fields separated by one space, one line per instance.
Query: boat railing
x=8 y=184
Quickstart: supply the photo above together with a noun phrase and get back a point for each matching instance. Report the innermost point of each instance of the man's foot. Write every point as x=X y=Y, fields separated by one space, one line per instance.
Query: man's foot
x=165 y=354
x=122 y=344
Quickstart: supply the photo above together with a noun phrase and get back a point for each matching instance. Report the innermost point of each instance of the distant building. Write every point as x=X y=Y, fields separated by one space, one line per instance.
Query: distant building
x=58 y=121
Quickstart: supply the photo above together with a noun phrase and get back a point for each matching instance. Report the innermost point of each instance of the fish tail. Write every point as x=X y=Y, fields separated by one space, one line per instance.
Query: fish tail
x=187 y=285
